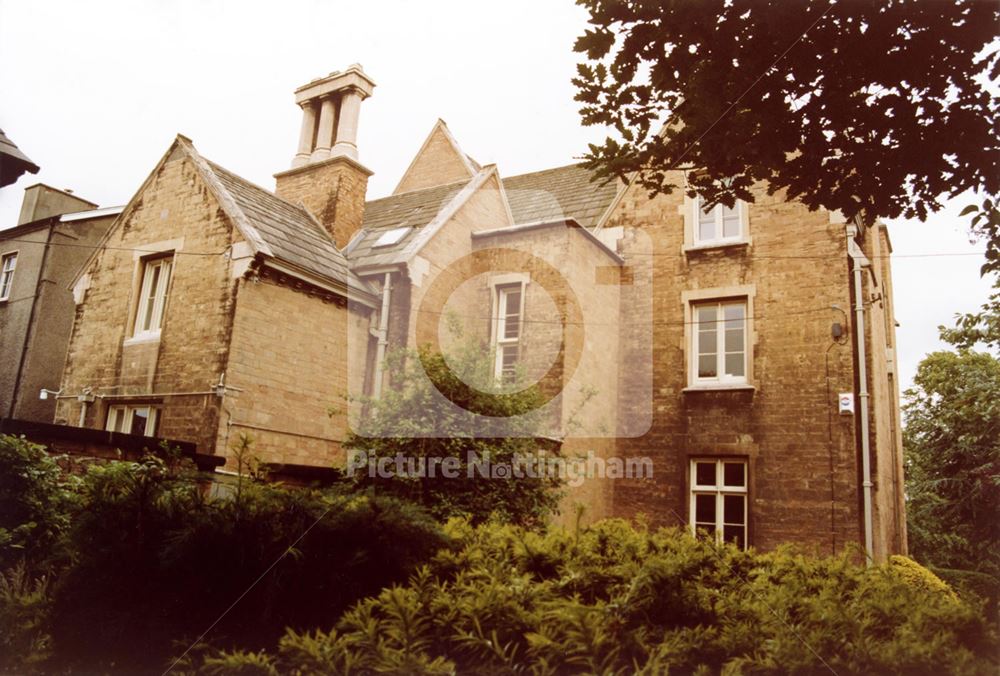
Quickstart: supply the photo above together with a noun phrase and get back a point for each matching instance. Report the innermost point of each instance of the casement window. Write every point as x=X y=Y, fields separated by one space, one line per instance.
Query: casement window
x=719 y=500
x=7 y=266
x=719 y=352
x=509 y=304
x=152 y=296
x=140 y=420
x=719 y=224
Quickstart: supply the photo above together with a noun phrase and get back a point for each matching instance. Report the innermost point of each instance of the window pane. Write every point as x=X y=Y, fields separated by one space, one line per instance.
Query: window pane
x=734 y=364
x=735 y=509
x=734 y=340
x=735 y=314
x=704 y=473
x=707 y=316
x=730 y=222
x=736 y=535
x=706 y=223
x=704 y=508
x=734 y=474
x=707 y=367
x=139 y=417
x=708 y=342
x=153 y=273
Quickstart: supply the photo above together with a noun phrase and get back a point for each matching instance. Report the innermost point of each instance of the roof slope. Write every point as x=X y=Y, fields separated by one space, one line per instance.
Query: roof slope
x=542 y=196
x=557 y=194
x=411 y=209
x=288 y=230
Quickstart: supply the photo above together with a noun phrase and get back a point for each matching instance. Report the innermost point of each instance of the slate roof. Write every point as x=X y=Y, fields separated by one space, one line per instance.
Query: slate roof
x=287 y=229
x=409 y=209
x=557 y=194
x=549 y=195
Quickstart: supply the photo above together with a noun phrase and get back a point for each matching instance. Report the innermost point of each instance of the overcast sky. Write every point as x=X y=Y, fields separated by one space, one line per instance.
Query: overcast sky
x=94 y=93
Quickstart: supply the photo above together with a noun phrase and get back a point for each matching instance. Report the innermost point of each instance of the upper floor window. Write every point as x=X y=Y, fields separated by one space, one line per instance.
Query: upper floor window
x=719 y=500
x=719 y=224
x=7 y=274
x=140 y=420
x=719 y=352
x=152 y=296
x=507 y=330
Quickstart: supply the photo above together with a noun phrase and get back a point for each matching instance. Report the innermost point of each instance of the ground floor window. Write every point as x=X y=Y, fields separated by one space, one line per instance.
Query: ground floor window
x=131 y=419
x=719 y=499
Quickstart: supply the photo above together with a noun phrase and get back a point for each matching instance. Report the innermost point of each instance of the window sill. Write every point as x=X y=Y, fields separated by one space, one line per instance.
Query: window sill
x=143 y=339
x=721 y=387
x=717 y=246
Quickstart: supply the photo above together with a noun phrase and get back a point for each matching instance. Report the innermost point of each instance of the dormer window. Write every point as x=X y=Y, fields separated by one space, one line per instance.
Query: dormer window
x=390 y=237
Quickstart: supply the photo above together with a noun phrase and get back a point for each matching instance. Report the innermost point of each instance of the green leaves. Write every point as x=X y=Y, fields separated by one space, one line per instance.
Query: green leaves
x=866 y=108
x=952 y=461
x=661 y=602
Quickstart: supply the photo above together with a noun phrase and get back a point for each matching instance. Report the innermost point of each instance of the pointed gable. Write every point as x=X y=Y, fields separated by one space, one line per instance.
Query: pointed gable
x=273 y=227
x=439 y=161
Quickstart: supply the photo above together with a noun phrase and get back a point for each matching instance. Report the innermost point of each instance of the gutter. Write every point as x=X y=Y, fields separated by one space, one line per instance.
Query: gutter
x=860 y=261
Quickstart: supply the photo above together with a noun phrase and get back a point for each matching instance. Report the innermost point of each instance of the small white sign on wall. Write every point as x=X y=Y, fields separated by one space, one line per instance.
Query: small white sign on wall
x=846 y=403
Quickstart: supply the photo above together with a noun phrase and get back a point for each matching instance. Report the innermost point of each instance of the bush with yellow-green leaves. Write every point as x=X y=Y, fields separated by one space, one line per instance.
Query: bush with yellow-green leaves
x=616 y=599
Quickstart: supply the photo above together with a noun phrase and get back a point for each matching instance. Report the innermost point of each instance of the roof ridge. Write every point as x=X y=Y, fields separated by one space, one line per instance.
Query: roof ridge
x=542 y=171
x=427 y=189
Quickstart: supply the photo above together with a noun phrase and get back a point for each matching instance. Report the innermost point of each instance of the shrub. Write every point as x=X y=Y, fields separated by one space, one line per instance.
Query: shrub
x=158 y=563
x=24 y=605
x=35 y=501
x=612 y=599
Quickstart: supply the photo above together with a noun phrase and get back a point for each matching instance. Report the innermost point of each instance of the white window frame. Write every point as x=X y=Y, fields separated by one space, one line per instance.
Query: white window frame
x=720 y=491
x=157 y=297
x=7 y=275
x=720 y=325
x=125 y=413
x=501 y=294
x=718 y=213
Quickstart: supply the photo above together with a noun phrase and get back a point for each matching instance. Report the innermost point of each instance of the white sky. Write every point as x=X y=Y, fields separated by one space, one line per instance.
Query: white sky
x=94 y=93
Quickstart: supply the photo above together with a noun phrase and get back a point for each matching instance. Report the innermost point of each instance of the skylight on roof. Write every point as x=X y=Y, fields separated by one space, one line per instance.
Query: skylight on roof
x=390 y=237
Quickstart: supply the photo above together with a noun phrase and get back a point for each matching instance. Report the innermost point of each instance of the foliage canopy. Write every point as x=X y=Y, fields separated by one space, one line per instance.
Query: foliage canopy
x=873 y=108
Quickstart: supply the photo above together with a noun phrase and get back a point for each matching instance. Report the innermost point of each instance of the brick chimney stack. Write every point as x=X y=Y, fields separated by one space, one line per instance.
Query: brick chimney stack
x=326 y=176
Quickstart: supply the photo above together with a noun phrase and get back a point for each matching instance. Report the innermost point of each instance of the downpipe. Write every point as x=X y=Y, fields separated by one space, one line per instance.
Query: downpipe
x=383 y=335
x=860 y=261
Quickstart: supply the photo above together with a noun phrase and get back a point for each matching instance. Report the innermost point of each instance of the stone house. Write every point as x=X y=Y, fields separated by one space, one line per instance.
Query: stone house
x=38 y=258
x=747 y=353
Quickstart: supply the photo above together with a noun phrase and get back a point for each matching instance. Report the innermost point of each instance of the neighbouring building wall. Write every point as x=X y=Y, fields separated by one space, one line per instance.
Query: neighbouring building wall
x=802 y=457
x=173 y=214
x=52 y=319
x=289 y=370
x=29 y=246
x=41 y=201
